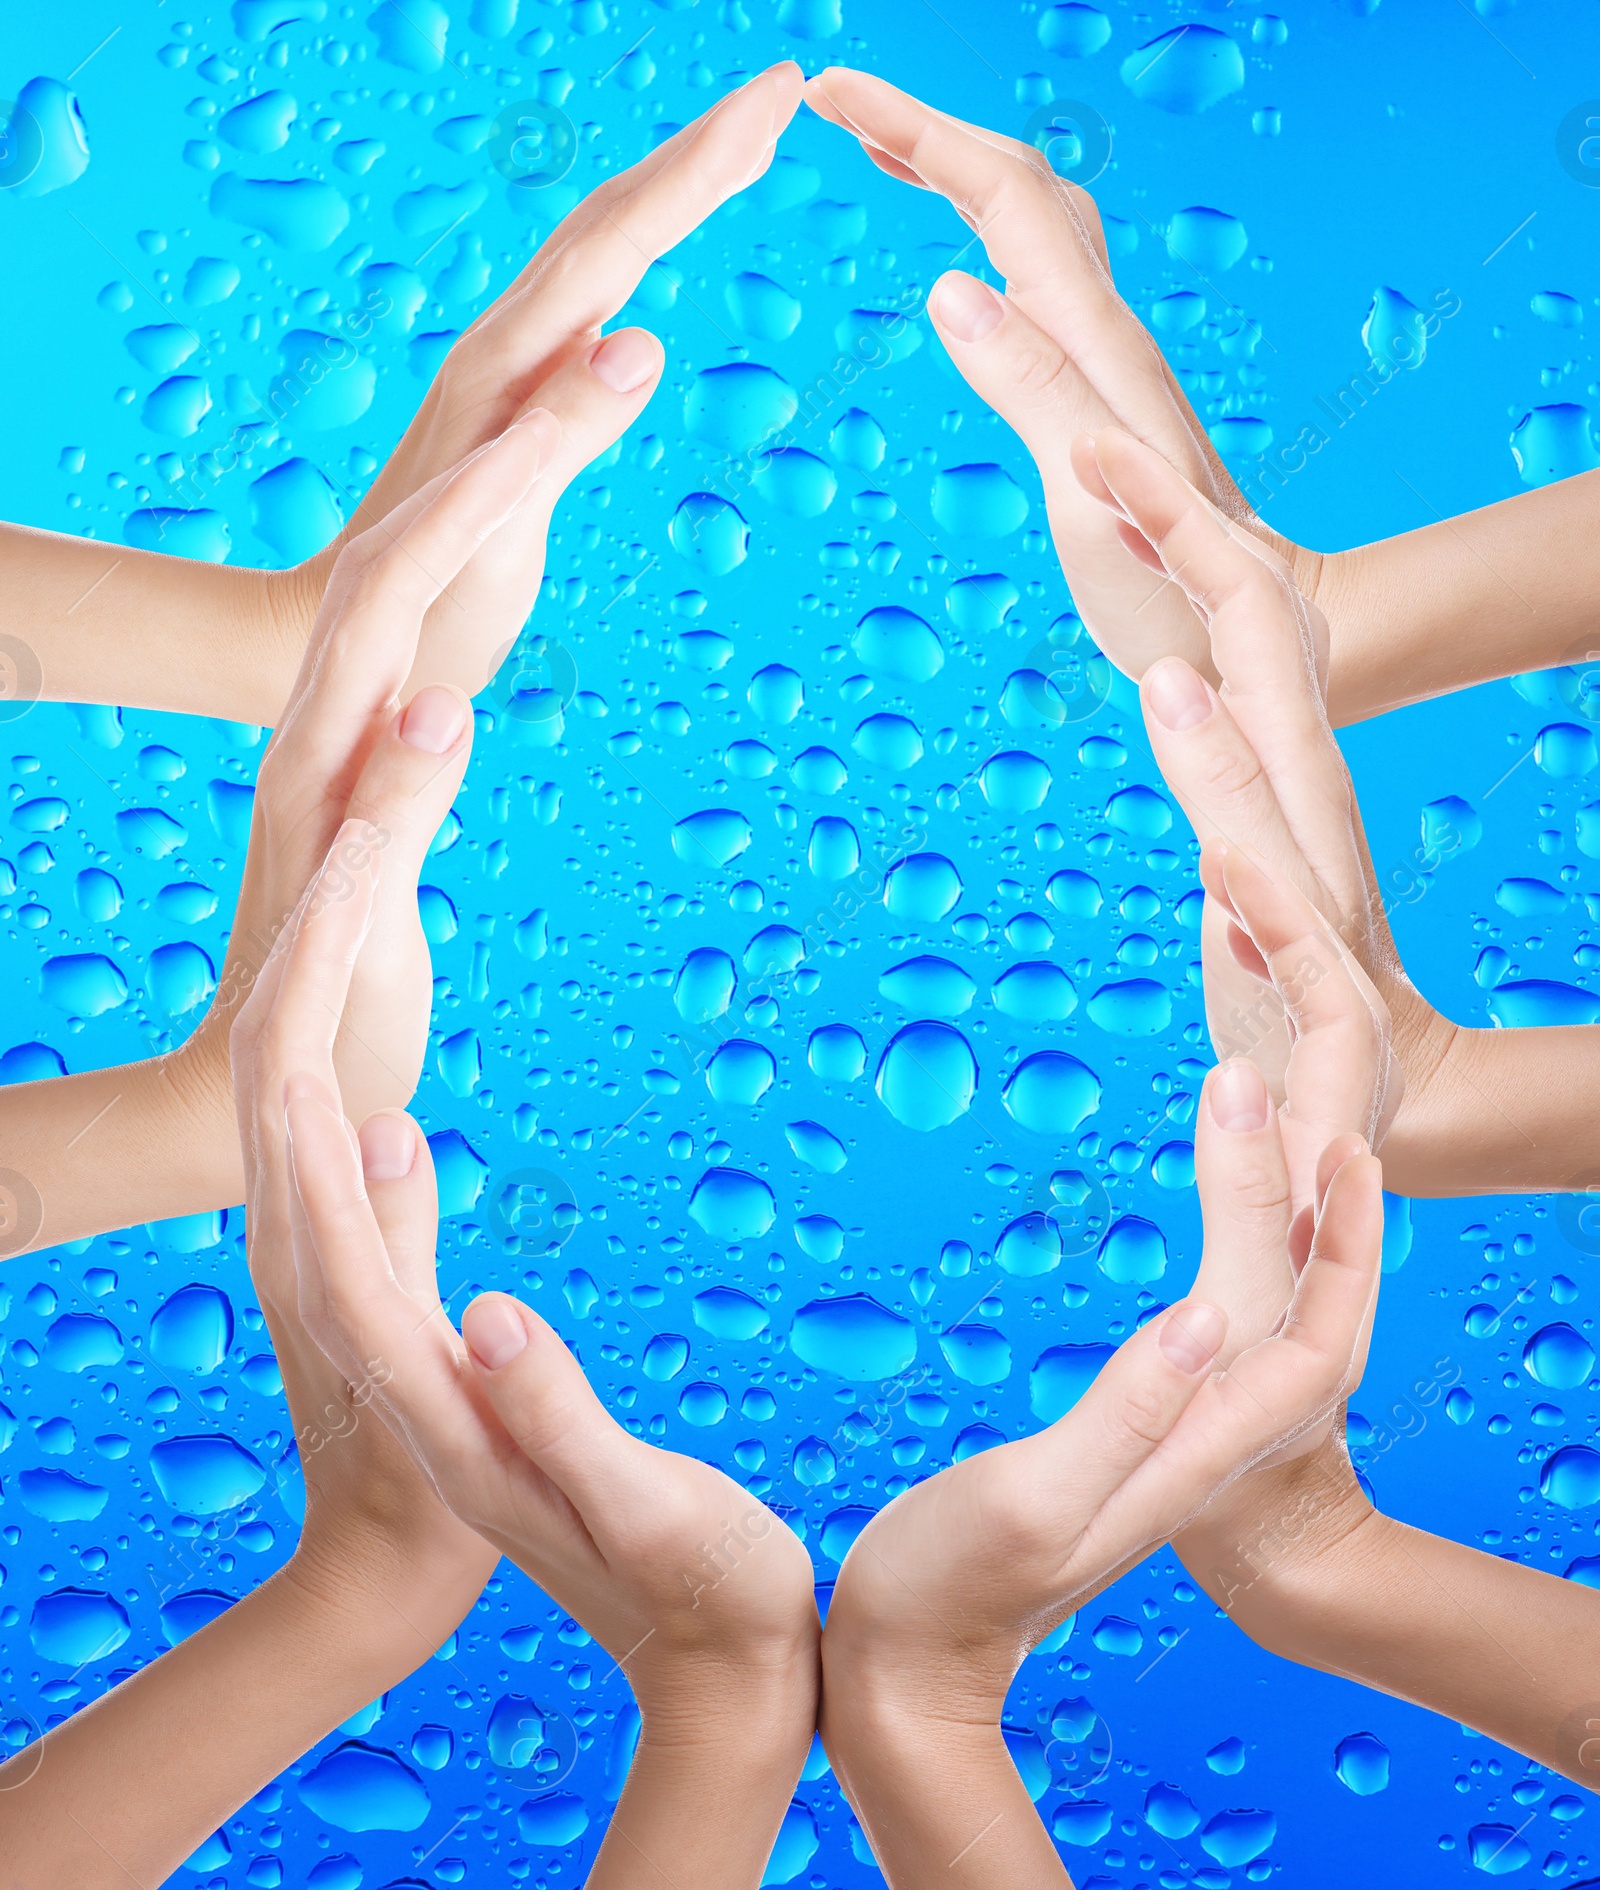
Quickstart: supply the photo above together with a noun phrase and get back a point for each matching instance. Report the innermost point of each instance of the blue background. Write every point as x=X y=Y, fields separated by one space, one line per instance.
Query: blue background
x=1411 y=141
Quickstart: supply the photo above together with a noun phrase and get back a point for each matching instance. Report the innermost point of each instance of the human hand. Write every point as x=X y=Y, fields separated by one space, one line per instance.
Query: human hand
x=539 y=343
x=698 y=1592
x=1058 y=354
x=1258 y=766
x=344 y=754
x=948 y=1588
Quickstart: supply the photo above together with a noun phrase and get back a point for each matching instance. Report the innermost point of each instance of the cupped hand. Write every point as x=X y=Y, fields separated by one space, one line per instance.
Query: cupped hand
x=539 y=343
x=1254 y=764
x=1058 y=354
x=698 y=1592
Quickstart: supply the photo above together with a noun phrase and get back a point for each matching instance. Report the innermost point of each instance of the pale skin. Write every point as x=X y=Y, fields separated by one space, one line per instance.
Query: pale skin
x=950 y=1586
x=1294 y=1551
x=1510 y=588
x=1253 y=760
x=702 y=1595
x=699 y=1593
x=159 y=632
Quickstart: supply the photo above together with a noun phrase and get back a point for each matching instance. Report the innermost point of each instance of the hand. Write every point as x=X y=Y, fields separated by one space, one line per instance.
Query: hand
x=1059 y=353
x=948 y=1588
x=339 y=750
x=1258 y=766
x=543 y=333
x=343 y=749
x=697 y=1591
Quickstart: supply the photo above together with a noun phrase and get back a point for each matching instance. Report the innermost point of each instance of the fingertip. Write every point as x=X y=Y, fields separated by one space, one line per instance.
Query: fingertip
x=969 y=309
x=495 y=1330
x=625 y=359
x=1192 y=1333
x=388 y=1141
x=435 y=719
x=1237 y=1097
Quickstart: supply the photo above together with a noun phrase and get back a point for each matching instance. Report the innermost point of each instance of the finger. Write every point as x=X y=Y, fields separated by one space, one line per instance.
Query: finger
x=1039 y=233
x=1265 y=644
x=594 y=259
x=312 y=963
x=1213 y=770
x=405 y=789
x=538 y=1391
x=353 y=1303
x=1243 y=1177
x=1033 y=383
x=595 y=395
x=397 y=1172
x=1341 y=1067
x=1277 y=1390
x=1140 y=1393
x=365 y=639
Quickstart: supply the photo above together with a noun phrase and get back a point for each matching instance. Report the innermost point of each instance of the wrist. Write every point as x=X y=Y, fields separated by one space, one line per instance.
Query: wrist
x=391 y=1605
x=757 y=1715
x=1276 y=1554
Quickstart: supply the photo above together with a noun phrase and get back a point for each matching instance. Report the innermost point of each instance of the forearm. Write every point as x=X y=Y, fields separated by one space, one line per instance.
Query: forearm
x=110 y=1148
x=125 y=1790
x=104 y=623
x=1488 y=1643
x=1497 y=592
x=705 y=1809
x=940 y=1801
x=1504 y=1112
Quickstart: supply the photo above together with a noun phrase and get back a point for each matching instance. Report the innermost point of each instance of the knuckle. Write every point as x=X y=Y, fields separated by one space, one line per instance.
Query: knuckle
x=1230 y=770
x=1141 y=1413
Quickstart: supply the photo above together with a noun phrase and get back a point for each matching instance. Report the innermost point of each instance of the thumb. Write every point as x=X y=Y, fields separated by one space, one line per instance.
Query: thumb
x=538 y=1391
x=1021 y=372
x=596 y=394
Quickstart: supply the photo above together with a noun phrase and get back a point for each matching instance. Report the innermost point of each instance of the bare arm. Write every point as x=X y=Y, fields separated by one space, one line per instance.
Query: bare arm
x=125 y=1790
x=1309 y=1569
x=1510 y=588
x=86 y=621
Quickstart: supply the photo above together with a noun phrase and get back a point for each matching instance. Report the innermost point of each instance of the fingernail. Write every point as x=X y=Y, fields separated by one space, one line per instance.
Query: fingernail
x=388 y=1148
x=970 y=309
x=493 y=1330
x=1237 y=1097
x=1177 y=694
x=433 y=721
x=1193 y=1334
x=625 y=360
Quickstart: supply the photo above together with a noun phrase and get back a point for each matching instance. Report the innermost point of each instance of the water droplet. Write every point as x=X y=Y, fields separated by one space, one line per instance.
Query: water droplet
x=1362 y=1763
x=1133 y=1007
x=834 y=850
x=705 y=985
x=191 y=1331
x=927 y=1075
x=930 y=987
x=363 y=1788
x=710 y=533
x=1559 y=1357
x=921 y=886
x=712 y=837
x=740 y=1071
x=899 y=643
x=853 y=1337
x=1035 y=992
x=739 y=404
x=732 y=1205
x=1134 y=1252
x=1051 y=1092
x=836 y=1053
x=1014 y=782
x=204 y=1475
x=1185 y=70
x=816 y=1146
x=891 y=741
x=1571 y=1477
x=979 y=501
